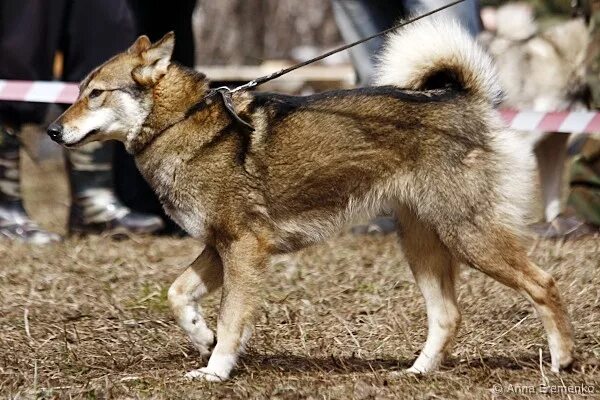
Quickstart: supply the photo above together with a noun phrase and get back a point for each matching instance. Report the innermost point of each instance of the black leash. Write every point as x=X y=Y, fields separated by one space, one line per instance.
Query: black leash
x=226 y=93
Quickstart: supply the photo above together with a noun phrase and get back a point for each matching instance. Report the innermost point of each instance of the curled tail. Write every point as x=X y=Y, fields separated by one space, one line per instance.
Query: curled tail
x=436 y=53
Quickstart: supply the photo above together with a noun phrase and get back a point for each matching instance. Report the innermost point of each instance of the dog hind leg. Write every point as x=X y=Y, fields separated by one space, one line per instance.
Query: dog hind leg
x=435 y=271
x=496 y=251
x=203 y=276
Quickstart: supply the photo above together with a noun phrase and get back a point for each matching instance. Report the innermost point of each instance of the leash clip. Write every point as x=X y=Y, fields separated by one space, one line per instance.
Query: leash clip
x=225 y=93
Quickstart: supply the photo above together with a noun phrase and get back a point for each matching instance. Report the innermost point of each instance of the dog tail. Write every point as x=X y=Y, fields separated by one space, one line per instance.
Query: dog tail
x=436 y=53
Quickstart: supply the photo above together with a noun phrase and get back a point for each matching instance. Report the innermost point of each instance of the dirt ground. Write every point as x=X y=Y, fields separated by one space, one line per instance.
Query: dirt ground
x=88 y=318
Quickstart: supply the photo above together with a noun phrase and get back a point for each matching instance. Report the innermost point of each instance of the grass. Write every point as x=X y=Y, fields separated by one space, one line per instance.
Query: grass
x=88 y=319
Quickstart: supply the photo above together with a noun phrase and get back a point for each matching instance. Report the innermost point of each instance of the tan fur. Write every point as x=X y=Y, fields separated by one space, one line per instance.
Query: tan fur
x=313 y=164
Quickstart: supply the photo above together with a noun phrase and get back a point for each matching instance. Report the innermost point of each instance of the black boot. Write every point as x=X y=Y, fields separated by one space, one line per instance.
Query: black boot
x=95 y=207
x=15 y=224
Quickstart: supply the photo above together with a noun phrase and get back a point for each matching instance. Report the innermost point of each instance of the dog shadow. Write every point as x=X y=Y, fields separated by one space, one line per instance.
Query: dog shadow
x=295 y=364
x=292 y=363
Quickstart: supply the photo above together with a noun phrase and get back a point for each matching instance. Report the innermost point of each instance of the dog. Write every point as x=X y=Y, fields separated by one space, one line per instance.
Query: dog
x=540 y=70
x=425 y=142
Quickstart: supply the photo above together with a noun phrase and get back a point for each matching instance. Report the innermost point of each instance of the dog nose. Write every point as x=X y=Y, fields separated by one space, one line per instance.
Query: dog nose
x=55 y=132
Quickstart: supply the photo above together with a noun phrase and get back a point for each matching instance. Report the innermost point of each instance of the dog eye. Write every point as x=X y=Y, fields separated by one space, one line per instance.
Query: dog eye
x=95 y=93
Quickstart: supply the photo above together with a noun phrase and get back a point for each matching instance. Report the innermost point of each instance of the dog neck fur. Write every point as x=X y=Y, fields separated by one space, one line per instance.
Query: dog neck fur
x=169 y=106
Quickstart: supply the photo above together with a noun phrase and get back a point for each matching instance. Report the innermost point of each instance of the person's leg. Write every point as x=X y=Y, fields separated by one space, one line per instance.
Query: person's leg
x=582 y=215
x=94 y=206
x=154 y=19
x=584 y=196
x=467 y=13
x=26 y=54
x=97 y=30
x=15 y=224
x=357 y=19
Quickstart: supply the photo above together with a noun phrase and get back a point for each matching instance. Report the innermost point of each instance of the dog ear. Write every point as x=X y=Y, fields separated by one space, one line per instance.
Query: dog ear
x=141 y=44
x=156 y=60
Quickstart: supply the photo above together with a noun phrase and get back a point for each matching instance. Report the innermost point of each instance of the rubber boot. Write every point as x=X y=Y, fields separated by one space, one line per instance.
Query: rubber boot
x=15 y=224
x=94 y=206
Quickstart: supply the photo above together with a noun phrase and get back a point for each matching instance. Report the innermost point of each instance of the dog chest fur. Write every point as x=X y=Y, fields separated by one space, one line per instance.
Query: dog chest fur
x=163 y=174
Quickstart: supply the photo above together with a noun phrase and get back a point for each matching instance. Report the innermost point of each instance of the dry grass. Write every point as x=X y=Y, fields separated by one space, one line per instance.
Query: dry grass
x=88 y=318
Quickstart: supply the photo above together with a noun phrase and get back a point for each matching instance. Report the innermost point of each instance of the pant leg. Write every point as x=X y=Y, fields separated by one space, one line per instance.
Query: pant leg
x=357 y=19
x=156 y=17
x=592 y=60
x=467 y=13
x=29 y=36
x=96 y=30
x=584 y=195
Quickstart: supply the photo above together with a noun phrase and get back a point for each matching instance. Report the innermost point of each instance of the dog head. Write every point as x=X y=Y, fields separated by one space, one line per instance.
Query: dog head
x=116 y=98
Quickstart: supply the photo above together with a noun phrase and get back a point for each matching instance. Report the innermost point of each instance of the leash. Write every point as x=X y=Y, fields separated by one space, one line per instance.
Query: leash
x=225 y=93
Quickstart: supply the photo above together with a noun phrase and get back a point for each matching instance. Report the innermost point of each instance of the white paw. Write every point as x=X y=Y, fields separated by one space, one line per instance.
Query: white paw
x=414 y=370
x=408 y=371
x=561 y=362
x=204 y=342
x=205 y=374
x=425 y=364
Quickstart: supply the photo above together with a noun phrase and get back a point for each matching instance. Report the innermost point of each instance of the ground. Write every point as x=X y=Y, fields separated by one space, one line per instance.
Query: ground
x=89 y=318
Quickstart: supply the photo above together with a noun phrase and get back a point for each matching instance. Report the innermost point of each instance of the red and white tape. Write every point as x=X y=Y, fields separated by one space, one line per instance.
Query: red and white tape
x=559 y=121
x=562 y=121
x=38 y=91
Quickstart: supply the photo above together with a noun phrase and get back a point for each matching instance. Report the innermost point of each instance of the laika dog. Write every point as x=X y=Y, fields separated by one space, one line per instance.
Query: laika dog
x=426 y=143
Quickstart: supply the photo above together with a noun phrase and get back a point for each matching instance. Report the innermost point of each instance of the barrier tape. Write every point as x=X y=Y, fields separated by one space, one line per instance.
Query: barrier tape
x=561 y=121
x=39 y=91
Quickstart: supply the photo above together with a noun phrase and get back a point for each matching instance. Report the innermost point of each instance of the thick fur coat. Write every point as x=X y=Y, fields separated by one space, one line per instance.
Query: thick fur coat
x=426 y=143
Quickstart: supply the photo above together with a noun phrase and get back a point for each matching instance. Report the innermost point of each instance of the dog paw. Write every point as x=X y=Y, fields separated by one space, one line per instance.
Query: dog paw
x=204 y=343
x=415 y=371
x=407 y=371
x=205 y=374
x=564 y=366
x=425 y=364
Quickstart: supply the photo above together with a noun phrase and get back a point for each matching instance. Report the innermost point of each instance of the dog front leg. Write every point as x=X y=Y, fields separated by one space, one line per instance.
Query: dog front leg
x=243 y=264
x=203 y=276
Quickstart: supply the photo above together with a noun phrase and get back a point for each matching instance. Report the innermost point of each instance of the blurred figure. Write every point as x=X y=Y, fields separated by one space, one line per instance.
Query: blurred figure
x=541 y=70
x=88 y=33
x=584 y=196
x=154 y=18
x=358 y=19
x=545 y=70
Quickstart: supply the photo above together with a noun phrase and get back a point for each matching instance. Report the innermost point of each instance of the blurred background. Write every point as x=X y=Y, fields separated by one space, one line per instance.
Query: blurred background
x=249 y=32
x=234 y=41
